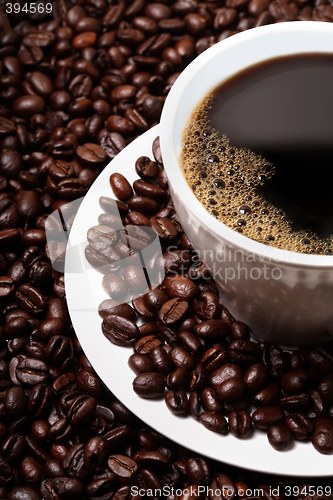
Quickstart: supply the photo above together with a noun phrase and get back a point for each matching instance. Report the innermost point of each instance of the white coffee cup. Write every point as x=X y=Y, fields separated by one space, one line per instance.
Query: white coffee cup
x=285 y=297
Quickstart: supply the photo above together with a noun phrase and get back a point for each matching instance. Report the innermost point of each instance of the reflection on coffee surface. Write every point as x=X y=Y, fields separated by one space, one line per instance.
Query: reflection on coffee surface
x=258 y=153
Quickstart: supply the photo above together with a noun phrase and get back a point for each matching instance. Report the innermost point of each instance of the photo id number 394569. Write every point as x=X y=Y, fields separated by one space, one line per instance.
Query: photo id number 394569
x=28 y=8
x=306 y=490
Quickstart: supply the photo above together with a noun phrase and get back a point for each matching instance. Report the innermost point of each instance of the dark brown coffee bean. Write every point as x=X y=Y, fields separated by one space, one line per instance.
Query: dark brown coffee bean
x=225 y=372
x=222 y=486
x=28 y=105
x=161 y=360
x=240 y=331
x=81 y=410
x=209 y=400
x=149 y=385
x=91 y=155
x=295 y=402
x=322 y=438
x=178 y=379
x=279 y=437
x=256 y=377
x=294 y=381
x=240 y=423
x=32 y=371
x=119 y=330
x=214 y=422
x=164 y=228
x=274 y=358
x=215 y=357
x=177 y=402
x=173 y=311
x=146 y=168
x=197 y=470
x=268 y=396
x=15 y=402
x=300 y=426
x=140 y=363
x=244 y=352
x=212 y=329
x=24 y=493
x=145 y=344
x=143 y=204
x=191 y=343
x=263 y=418
x=180 y=286
x=121 y=187
x=231 y=390
x=182 y=358
x=325 y=389
x=7 y=286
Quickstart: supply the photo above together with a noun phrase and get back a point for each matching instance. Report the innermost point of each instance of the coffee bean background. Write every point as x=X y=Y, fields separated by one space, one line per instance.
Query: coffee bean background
x=73 y=92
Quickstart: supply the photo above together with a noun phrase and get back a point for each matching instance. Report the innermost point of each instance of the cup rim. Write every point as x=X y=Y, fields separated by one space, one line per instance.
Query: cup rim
x=178 y=183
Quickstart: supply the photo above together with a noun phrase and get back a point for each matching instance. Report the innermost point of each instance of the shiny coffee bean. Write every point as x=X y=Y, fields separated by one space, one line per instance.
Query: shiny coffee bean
x=149 y=385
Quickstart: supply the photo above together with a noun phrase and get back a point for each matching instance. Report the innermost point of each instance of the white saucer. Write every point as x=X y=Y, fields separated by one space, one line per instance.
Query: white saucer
x=84 y=294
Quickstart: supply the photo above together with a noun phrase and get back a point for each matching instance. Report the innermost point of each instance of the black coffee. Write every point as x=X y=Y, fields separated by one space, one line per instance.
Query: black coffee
x=258 y=152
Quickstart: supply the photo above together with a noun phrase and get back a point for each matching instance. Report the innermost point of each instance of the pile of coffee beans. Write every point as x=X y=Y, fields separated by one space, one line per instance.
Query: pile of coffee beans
x=189 y=349
x=74 y=91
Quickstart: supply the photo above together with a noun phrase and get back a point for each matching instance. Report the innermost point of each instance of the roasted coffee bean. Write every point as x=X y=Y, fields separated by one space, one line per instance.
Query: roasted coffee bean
x=110 y=306
x=114 y=286
x=7 y=286
x=263 y=418
x=180 y=286
x=32 y=371
x=164 y=228
x=91 y=155
x=121 y=187
x=81 y=410
x=322 y=438
x=275 y=359
x=231 y=390
x=225 y=372
x=30 y=299
x=15 y=402
x=294 y=381
x=240 y=331
x=119 y=330
x=295 y=402
x=256 y=377
x=240 y=424
x=28 y=105
x=209 y=400
x=279 y=437
x=161 y=360
x=178 y=379
x=146 y=168
x=173 y=311
x=145 y=344
x=140 y=363
x=135 y=279
x=214 y=422
x=300 y=426
x=268 y=396
x=149 y=385
x=212 y=329
x=101 y=235
x=177 y=402
x=136 y=237
x=244 y=352
x=215 y=357
x=191 y=343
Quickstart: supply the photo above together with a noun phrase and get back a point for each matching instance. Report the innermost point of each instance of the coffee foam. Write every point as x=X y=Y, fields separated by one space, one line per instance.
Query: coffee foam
x=224 y=179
